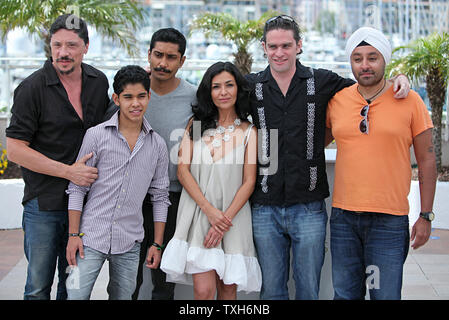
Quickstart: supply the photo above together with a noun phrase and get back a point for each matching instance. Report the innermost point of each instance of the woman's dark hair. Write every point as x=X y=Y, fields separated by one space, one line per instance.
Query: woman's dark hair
x=130 y=75
x=205 y=110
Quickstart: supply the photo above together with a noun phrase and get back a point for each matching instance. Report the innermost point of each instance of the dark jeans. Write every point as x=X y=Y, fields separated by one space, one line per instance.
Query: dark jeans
x=368 y=251
x=45 y=244
x=162 y=290
x=299 y=229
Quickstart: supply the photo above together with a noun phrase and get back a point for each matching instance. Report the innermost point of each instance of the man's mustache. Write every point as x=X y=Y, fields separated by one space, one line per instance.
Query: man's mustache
x=366 y=71
x=162 y=69
x=64 y=59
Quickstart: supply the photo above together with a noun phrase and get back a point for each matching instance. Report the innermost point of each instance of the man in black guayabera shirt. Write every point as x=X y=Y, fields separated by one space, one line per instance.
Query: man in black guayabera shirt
x=52 y=110
x=289 y=103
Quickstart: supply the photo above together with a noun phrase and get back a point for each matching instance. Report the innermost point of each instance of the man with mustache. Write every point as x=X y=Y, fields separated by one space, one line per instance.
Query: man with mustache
x=52 y=110
x=168 y=114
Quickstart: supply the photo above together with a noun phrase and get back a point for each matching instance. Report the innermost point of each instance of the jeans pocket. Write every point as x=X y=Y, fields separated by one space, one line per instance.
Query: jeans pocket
x=256 y=206
x=393 y=222
x=30 y=217
x=315 y=207
x=136 y=248
x=335 y=213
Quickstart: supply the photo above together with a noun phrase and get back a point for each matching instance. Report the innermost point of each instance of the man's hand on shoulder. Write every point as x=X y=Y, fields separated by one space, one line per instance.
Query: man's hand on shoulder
x=401 y=86
x=81 y=174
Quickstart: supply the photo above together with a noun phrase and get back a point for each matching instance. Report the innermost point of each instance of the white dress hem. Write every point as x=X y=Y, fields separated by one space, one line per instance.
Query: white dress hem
x=180 y=261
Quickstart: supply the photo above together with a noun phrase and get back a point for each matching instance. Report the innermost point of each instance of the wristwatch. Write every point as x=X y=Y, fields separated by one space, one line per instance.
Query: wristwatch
x=429 y=216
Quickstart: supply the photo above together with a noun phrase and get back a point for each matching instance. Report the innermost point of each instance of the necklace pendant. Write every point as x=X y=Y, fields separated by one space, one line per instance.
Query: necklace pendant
x=226 y=137
x=220 y=130
x=231 y=128
x=216 y=143
x=237 y=122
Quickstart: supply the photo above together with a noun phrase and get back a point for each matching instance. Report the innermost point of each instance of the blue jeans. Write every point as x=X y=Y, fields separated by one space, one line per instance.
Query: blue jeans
x=122 y=274
x=45 y=242
x=368 y=251
x=300 y=228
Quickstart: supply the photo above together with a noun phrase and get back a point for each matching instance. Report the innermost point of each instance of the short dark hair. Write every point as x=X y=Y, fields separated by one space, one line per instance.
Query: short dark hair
x=169 y=35
x=73 y=23
x=282 y=22
x=205 y=110
x=130 y=74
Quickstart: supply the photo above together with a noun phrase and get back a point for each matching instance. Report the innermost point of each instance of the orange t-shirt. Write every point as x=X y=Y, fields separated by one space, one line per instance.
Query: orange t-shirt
x=373 y=171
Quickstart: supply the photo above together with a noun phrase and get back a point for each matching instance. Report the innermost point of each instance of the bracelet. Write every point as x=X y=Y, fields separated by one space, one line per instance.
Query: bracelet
x=76 y=234
x=158 y=246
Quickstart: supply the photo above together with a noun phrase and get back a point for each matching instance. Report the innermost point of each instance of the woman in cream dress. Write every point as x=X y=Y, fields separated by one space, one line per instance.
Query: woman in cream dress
x=213 y=244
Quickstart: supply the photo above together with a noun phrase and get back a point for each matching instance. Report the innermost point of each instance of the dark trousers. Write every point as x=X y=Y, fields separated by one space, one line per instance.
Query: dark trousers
x=162 y=290
x=368 y=251
x=45 y=243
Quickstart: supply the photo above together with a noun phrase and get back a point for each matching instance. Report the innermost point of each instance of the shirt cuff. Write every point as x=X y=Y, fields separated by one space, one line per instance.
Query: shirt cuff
x=76 y=200
x=160 y=211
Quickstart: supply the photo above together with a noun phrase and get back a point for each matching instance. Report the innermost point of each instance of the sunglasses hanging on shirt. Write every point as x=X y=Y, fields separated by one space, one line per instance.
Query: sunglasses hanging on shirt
x=364 y=124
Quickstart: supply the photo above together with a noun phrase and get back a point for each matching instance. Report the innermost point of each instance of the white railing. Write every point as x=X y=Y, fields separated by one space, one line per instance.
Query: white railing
x=14 y=69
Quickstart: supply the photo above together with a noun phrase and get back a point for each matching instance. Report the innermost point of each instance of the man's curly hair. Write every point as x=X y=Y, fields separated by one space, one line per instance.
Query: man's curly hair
x=130 y=74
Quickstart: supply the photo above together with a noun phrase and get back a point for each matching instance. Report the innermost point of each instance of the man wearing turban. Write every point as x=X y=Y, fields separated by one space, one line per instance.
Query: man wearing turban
x=374 y=132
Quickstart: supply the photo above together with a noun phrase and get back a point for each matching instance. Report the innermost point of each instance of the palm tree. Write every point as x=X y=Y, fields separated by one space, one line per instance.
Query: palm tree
x=242 y=34
x=428 y=59
x=116 y=19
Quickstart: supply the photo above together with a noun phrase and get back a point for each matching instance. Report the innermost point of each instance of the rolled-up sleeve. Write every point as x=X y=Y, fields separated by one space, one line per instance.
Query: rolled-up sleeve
x=158 y=189
x=77 y=193
x=24 y=113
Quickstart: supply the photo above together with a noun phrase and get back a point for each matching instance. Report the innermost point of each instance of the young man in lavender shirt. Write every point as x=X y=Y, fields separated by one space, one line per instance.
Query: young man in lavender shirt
x=132 y=160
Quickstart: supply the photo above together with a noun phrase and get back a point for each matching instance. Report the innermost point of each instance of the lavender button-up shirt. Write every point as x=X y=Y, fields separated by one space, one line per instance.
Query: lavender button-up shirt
x=111 y=219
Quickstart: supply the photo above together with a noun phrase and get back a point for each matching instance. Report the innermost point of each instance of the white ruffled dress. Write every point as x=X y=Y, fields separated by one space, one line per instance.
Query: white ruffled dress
x=234 y=259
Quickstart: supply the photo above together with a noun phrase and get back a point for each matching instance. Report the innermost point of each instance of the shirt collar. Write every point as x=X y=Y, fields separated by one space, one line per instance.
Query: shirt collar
x=53 y=79
x=113 y=122
x=301 y=72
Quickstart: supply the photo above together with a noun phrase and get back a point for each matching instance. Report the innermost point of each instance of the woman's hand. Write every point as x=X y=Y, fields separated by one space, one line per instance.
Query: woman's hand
x=217 y=219
x=212 y=238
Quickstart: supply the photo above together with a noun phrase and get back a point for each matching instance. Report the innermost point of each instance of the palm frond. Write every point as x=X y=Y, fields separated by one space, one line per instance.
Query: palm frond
x=241 y=33
x=427 y=59
x=418 y=57
x=116 y=19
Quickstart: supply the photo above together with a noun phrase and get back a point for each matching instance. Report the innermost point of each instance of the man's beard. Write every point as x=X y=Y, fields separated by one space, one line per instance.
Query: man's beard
x=65 y=72
x=373 y=81
x=376 y=78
